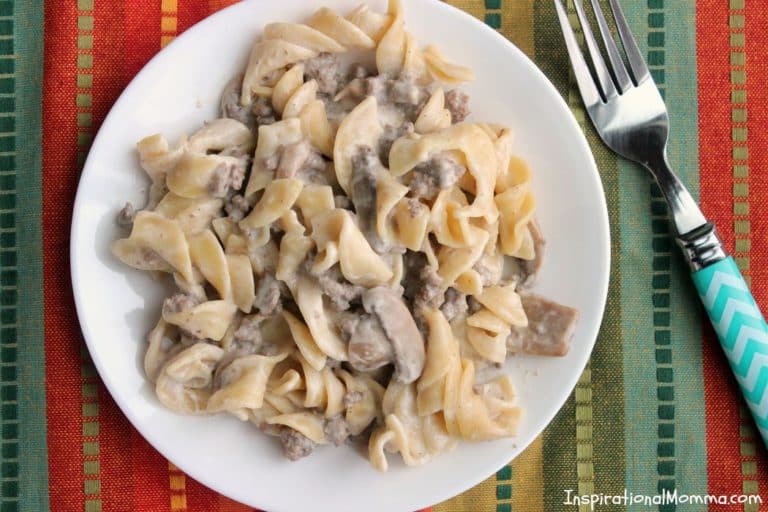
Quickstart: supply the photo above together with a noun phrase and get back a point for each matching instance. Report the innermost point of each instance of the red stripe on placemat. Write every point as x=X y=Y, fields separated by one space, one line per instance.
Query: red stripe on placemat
x=217 y=5
x=149 y=475
x=142 y=34
x=108 y=81
x=200 y=498
x=149 y=469
x=757 y=98
x=227 y=505
x=62 y=334
x=716 y=182
x=190 y=12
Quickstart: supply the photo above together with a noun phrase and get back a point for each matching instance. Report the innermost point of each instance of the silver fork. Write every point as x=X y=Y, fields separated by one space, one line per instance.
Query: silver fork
x=630 y=116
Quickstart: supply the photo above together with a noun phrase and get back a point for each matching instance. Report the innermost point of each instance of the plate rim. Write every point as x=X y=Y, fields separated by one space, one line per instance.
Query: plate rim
x=553 y=95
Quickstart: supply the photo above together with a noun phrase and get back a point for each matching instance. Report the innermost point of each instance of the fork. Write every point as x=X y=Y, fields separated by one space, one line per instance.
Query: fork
x=630 y=116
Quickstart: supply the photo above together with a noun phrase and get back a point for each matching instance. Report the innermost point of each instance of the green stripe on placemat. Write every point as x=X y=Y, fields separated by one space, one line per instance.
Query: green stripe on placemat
x=9 y=272
x=666 y=403
x=23 y=162
x=686 y=321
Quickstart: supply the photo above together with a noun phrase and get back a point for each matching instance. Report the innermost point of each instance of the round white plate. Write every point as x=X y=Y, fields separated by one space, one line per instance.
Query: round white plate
x=174 y=94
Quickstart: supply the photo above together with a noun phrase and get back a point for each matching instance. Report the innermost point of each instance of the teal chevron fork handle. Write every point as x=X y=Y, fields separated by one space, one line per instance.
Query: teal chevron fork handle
x=742 y=331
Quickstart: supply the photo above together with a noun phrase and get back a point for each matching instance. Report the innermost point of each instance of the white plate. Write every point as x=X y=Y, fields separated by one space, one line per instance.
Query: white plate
x=175 y=93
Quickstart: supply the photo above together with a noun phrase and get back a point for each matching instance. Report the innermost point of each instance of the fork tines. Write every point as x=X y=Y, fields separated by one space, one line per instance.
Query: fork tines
x=609 y=82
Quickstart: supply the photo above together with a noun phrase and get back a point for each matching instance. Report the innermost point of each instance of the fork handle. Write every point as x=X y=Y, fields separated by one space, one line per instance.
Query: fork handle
x=737 y=319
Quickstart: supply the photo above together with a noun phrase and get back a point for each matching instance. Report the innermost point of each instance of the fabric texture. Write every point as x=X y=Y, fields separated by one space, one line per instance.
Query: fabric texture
x=656 y=408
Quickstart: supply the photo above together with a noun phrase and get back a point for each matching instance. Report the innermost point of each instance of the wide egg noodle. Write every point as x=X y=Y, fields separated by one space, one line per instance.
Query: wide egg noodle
x=163 y=237
x=360 y=128
x=245 y=385
x=340 y=29
x=184 y=382
x=271 y=139
x=243 y=286
x=373 y=24
x=266 y=57
x=302 y=35
x=207 y=320
x=478 y=153
x=208 y=257
x=434 y=116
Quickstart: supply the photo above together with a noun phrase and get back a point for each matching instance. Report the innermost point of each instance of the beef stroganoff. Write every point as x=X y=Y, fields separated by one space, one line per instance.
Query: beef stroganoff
x=349 y=251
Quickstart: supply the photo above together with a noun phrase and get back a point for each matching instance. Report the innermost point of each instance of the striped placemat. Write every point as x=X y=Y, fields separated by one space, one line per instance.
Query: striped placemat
x=655 y=410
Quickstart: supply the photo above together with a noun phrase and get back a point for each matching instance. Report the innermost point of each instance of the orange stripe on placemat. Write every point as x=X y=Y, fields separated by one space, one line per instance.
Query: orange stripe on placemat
x=756 y=20
x=716 y=177
x=142 y=34
x=62 y=335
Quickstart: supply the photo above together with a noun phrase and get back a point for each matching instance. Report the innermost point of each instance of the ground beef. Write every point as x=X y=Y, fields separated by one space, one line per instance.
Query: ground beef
x=228 y=176
x=378 y=87
x=178 y=303
x=351 y=398
x=248 y=333
x=436 y=174
x=325 y=70
x=292 y=159
x=342 y=202
x=126 y=215
x=295 y=444
x=489 y=270
x=406 y=92
x=358 y=71
x=301 y=161
x=457 y=103
x=363 y=183
x=430 y=289
x=230 y=103
x=336 y=430
x=413 y=262
x=455 y=304
x=339 y=291
x=267 y=299
x=388 y=137
x=271 y=162
x=408 y=96
x=236 y=207
x=263 y=112
x=473 y=305
x=315 y=169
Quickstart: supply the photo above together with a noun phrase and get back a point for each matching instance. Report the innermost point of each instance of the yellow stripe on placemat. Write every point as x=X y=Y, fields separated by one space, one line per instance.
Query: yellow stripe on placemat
x=480 y=498
x=178 y=484
x=517 y=23
x=528 y=477
x=168 y=21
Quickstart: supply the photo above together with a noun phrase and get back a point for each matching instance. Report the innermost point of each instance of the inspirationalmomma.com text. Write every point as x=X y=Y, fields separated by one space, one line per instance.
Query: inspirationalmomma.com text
x=665 y=498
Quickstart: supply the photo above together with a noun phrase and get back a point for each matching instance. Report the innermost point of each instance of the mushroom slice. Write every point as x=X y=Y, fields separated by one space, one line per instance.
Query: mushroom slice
x=401 y=330
x=369 y=347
